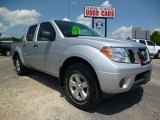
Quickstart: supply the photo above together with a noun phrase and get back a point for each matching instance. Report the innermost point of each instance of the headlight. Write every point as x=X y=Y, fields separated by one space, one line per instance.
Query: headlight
x=116 y=54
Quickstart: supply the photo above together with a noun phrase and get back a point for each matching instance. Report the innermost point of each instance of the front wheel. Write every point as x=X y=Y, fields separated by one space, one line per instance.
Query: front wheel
x=158 y=54
x=82 y=89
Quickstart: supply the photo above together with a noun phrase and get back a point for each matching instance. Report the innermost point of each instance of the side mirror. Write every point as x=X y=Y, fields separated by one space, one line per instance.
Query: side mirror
x=47 y=35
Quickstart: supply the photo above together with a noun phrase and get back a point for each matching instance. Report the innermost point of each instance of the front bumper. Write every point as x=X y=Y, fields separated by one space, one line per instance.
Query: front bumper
x=111 y=82
x=117 y=77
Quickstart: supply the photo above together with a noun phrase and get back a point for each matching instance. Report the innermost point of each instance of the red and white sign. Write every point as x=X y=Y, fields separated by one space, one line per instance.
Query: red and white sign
x=100 y=12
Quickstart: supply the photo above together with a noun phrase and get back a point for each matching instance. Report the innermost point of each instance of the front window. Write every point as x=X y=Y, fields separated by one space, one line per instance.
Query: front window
x=47 y=27
x=71 y=29
x=150 y=43
x=142 y=41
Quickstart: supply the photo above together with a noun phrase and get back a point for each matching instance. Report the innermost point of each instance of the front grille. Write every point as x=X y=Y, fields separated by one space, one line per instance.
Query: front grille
x=138 y=55
x=131 y=54
x=143 y=54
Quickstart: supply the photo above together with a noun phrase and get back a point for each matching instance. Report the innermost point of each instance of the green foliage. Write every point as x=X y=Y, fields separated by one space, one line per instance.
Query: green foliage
x=155 y=37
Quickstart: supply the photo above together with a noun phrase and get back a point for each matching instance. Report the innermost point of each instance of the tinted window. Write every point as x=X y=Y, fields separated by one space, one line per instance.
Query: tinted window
x=30 y=34
x=150 y=43
x=46 y=27
x=142 y=41
x=71 y=29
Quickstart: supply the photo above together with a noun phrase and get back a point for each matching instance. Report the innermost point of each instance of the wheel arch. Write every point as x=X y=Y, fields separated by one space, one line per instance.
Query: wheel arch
x=18 y=53
x=71 y=61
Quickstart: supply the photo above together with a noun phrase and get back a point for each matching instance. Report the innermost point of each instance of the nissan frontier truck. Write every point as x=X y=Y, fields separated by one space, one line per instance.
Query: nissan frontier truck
x=87 y=64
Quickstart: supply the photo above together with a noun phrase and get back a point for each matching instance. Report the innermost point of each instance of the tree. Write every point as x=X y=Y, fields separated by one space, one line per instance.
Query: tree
x=155 y=37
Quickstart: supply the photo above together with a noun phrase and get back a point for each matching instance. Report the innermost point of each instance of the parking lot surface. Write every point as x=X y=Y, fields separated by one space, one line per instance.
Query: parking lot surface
x=37 y=96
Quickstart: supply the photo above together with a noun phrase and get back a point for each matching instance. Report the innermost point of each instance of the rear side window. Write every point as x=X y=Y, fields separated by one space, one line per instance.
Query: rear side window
x=142 y=41
x=30 y=34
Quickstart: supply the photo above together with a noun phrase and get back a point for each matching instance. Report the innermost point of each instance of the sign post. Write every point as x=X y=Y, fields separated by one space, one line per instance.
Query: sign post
x=105 y=27
x=102 y=12
x=93 y=22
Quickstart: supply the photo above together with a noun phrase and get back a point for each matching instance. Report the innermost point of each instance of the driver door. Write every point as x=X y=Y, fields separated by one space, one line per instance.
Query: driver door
x=46 y=48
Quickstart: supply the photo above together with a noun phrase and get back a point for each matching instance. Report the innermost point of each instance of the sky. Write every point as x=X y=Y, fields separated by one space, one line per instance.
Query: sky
x=17 y=15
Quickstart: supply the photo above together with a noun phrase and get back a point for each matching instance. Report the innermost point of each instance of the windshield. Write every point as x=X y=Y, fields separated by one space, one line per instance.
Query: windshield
x=71 y=29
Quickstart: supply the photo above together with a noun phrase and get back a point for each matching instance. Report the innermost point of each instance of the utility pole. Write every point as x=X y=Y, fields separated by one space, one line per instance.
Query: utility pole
x=92 y=22
x=68 y=9
x=105 y=27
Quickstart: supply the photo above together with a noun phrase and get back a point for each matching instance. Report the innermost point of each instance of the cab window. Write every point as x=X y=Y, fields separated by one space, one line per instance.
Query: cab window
x=142 y=41
x=46 y=32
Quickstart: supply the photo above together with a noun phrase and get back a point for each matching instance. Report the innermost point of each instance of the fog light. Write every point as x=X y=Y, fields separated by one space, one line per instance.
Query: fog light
x=121 y=83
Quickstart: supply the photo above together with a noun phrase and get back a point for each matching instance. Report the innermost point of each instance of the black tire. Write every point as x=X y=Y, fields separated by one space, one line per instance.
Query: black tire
x=20 y=68
x=93 y=90
x=8 y=53
x=158 y=55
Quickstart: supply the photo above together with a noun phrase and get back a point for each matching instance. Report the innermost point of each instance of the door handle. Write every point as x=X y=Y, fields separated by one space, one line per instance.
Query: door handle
x=35 y=46
x=24 y=45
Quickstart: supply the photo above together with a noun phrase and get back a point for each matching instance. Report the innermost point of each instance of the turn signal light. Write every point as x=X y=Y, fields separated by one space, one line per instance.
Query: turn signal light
x=106 y=51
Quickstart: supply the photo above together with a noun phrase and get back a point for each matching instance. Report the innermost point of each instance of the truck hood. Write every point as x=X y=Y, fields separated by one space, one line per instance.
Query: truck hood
x=157 y=47
x=100 y=42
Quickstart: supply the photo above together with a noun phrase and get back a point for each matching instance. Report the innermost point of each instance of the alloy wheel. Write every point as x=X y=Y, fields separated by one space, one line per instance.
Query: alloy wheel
x=78 y=87
x=17 y=66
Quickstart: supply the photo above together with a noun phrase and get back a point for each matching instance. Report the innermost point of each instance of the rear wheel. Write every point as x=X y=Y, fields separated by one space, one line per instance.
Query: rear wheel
x=81 y=86
x=20 y=68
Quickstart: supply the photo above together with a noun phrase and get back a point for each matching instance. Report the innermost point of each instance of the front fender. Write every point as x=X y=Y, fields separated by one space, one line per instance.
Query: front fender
x=83 y=51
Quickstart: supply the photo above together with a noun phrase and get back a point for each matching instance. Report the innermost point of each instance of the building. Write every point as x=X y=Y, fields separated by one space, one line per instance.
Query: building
x=137 y=33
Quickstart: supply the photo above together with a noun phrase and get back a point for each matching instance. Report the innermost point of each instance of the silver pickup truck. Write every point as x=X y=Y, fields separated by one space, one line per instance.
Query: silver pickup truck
x=86 y=63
